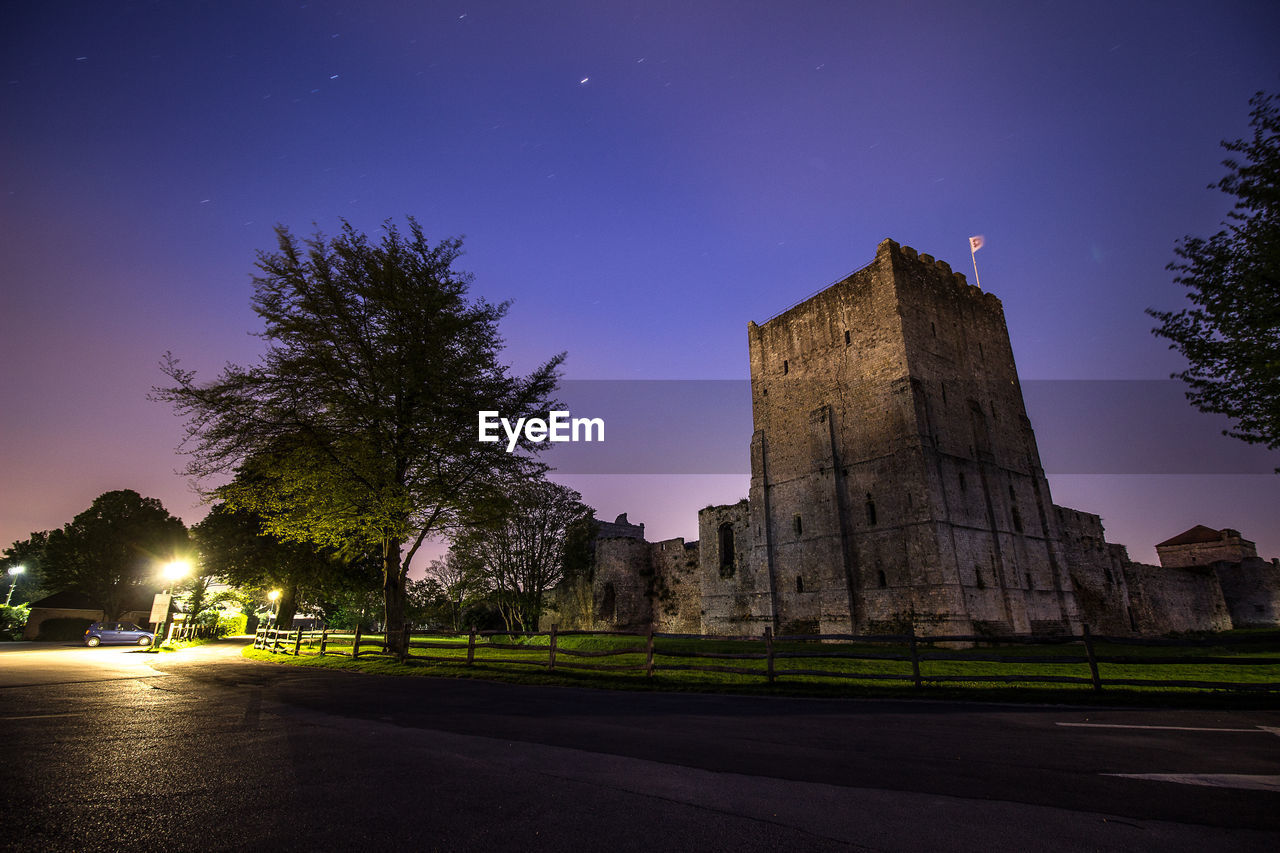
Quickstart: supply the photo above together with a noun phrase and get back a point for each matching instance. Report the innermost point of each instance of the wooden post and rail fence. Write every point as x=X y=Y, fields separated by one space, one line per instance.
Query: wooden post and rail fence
x=657 y=652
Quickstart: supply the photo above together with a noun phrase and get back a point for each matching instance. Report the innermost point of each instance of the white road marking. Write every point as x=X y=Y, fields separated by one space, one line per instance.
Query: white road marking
x=1254 y=730
x=1251 y=782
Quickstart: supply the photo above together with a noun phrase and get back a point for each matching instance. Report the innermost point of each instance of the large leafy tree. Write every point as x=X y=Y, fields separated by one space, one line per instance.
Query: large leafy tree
x=357 y=429
x=236 y=546
x=521 y=544
x=1231 y=333
x=113 y=549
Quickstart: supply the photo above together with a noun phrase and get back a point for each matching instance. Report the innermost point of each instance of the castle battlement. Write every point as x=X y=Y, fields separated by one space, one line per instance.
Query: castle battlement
x=957 y=279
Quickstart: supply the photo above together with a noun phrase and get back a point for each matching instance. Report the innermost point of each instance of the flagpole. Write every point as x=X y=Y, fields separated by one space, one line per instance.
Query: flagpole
x=975 y=243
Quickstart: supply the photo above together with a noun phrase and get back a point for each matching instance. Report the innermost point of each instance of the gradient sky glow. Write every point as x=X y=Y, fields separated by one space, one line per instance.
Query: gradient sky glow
x=641 y=178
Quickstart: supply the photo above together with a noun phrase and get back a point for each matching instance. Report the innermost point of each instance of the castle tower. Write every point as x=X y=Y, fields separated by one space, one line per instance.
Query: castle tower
x=895 y=477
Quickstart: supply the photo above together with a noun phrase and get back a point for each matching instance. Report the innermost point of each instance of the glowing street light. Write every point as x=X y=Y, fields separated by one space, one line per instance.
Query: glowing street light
x=13 y=574
x=172 y=572
x=274 y=595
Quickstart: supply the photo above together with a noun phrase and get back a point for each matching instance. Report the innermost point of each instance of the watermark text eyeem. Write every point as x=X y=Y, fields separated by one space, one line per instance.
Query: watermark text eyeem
x=558 y=426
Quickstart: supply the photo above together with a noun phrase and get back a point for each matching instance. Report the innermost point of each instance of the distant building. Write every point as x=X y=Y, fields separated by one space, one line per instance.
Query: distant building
x=1250 y=585
x=1201 y=546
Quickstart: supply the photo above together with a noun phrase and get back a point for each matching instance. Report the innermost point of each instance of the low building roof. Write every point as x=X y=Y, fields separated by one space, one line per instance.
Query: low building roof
x=72 y=599
x=1195 y=536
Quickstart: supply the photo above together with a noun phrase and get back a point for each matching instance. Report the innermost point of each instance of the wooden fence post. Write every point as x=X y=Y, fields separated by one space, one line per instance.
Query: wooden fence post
x=297 y=644
x=768 y=651
x=915 y=658
x=471 y=646
x=1093 y=662
x=355 y=645
x=648 y=654
x=324 y=640
x=551 y=658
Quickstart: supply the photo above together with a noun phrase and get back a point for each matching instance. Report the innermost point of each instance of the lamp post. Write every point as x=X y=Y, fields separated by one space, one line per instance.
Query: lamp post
x=274 y=595
x=172 y=572
x=14 y=571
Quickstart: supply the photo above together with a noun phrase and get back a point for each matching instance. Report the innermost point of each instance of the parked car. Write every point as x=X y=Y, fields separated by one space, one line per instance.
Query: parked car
x=117 y=632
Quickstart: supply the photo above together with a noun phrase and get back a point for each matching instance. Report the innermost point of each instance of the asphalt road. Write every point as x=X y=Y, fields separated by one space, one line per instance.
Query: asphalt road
x=116 y=749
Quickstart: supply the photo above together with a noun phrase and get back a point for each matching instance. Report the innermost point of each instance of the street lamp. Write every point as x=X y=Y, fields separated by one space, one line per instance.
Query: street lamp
x=172 y=572
x=274 y=595
x=13 y=574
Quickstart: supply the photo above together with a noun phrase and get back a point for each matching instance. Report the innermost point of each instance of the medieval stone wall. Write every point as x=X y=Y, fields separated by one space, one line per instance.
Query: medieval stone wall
x=677 y=587
x=1251 y=589
x=1097 y=574
x=623 y=585
x=736 y=596
x=1175 y=600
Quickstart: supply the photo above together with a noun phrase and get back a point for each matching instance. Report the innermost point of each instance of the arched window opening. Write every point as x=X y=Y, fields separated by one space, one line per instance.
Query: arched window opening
x=871 y=511
x=881 y=579
x=727 y=555
x=799 y=584
x=798 y=525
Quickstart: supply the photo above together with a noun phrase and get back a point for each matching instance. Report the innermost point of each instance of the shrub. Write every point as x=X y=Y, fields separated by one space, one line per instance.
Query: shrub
x=12 y=620
x=228 y=625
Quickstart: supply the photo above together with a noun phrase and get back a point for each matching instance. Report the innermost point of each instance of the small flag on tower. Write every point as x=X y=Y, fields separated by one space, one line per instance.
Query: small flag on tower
x=975 y=243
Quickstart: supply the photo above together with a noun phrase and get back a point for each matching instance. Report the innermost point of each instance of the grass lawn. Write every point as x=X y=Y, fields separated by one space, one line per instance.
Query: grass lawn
x=880 y=670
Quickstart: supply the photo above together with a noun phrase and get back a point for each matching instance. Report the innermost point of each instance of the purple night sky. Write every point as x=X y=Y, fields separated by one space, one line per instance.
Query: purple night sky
x=641 y=178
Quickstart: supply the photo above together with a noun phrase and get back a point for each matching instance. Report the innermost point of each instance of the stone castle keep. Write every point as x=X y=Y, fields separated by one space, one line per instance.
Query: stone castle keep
x=895 y=481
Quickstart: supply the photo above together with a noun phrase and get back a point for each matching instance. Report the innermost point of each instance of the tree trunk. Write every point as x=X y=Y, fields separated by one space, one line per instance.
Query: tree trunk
x=393 y=601
x=287 y=607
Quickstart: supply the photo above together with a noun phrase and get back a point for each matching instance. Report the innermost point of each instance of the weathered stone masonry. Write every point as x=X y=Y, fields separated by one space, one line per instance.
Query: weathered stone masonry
x=895 y=480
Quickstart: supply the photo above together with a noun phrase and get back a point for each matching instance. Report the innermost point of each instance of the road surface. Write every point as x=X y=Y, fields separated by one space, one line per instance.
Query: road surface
x=113 y=748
